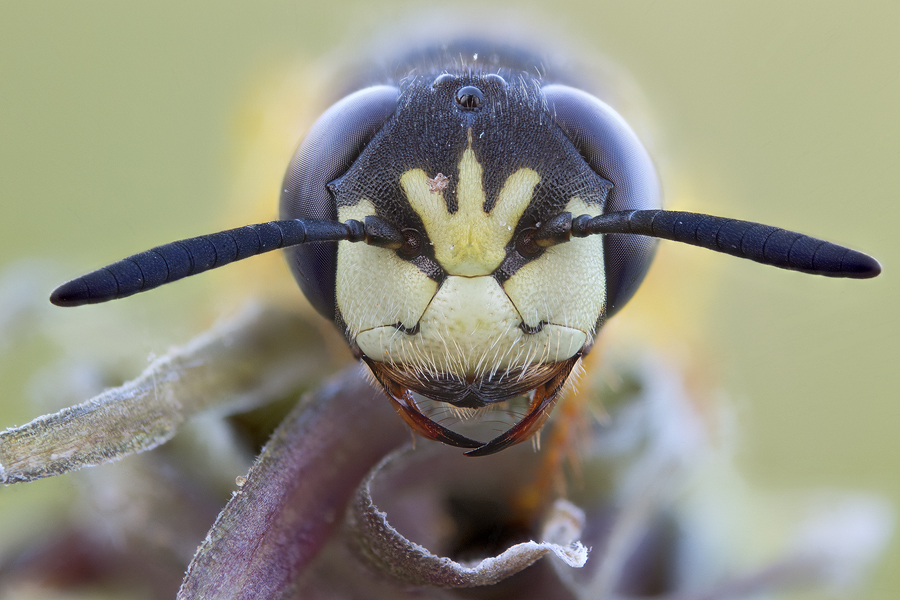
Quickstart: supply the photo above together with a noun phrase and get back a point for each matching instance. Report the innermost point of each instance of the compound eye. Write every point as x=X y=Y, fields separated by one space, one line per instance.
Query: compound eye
x=330 y=148
x=469 y=97
x=614 y=152
x=413 y=244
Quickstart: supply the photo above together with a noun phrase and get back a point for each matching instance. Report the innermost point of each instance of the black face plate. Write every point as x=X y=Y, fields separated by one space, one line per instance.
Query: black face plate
x=508 y=131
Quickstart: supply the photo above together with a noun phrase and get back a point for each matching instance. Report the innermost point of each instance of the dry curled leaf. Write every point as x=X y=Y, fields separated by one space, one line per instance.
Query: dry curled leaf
x=389 y=551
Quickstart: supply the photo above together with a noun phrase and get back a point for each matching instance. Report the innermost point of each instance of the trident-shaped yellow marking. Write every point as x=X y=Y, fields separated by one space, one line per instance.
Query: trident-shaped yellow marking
x=470 y=242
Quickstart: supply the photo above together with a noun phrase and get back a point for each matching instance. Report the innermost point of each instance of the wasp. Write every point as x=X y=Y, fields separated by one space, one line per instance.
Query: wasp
x=469 y=222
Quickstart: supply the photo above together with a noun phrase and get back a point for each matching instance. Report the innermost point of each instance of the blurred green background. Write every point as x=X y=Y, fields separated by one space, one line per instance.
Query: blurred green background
x=117 y=132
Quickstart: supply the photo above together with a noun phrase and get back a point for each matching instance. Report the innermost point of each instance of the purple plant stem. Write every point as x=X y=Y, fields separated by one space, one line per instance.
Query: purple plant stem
x=296 y=492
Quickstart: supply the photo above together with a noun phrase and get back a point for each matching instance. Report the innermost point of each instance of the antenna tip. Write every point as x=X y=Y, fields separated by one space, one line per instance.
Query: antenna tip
x=860 y=266
x=71 y=293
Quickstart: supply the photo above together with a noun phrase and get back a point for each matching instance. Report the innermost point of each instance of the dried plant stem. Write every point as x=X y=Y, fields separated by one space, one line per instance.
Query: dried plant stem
x=254 y=358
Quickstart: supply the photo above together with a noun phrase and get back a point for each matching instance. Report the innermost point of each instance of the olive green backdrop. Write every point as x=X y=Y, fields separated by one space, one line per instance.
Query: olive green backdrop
x=117 y=133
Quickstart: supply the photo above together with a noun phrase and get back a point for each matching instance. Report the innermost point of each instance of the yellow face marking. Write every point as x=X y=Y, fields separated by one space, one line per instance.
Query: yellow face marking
x=470 y=326
x=565 y=285
x=469 y=242
x=471 y=329
x=374 y=286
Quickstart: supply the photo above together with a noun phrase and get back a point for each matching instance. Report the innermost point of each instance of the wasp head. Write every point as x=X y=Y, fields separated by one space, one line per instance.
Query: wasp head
x=468 y=309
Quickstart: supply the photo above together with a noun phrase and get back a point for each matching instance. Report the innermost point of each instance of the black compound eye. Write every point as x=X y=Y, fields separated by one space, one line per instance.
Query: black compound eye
x=412 y=244
x=615 y=153
x=469 y=97
x=330 y=148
